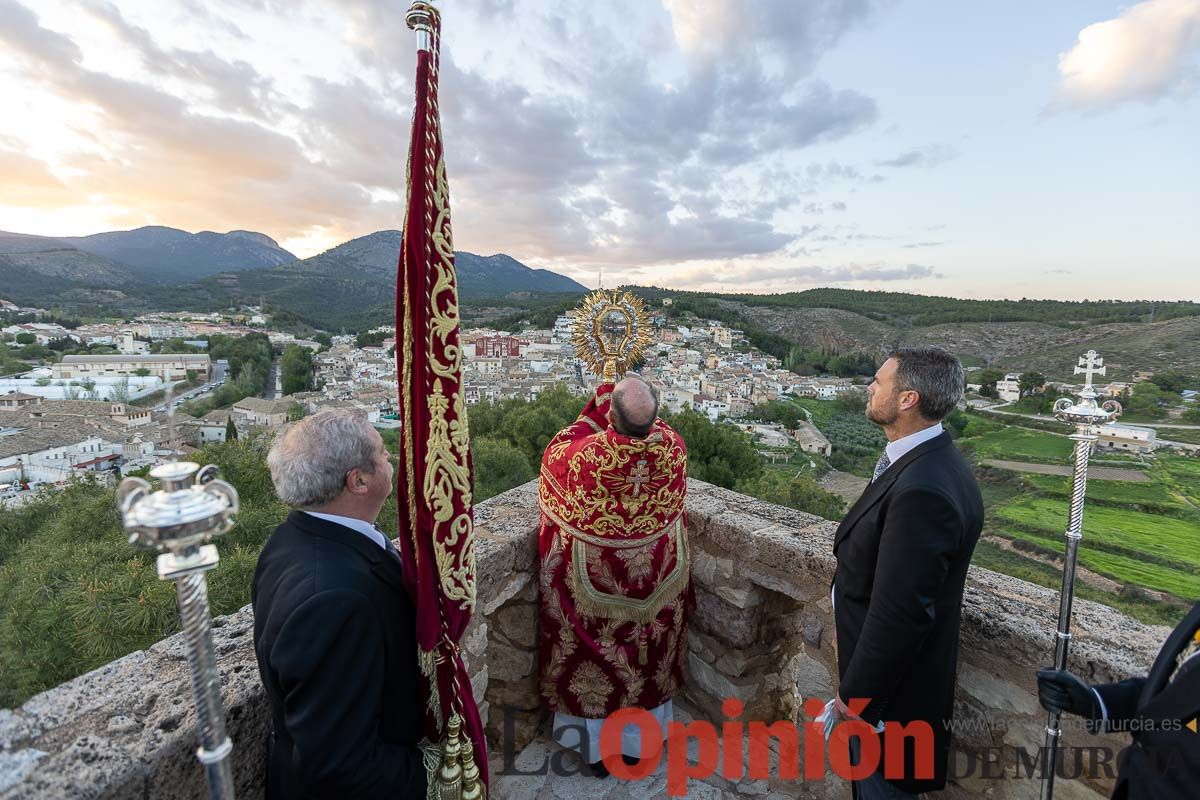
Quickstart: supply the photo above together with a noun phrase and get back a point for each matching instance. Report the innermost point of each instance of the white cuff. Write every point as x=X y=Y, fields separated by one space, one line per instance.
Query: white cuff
x=1103 y=709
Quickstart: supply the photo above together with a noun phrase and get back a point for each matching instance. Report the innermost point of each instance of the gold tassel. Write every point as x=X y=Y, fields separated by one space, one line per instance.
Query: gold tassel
x=450 y=774
x=472 y=787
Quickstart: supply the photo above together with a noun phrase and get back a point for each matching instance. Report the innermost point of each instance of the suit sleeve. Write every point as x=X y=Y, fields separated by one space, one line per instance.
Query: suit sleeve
x=329 y=656
x=1120 y=702
x=920 y=536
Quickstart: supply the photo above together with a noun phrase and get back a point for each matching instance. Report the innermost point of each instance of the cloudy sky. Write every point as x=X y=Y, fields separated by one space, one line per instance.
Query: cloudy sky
x=979 y=150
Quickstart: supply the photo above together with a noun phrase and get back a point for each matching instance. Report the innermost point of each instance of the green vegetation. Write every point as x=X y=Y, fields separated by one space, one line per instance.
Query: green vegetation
x=823 y=362
x=1176 y=541
x=991 y=555
x=857 y=442
x=9 y=363
x=74 y=595
x=1152 y=496
x=296 y=369
x=922 y=310
x=1016 y=444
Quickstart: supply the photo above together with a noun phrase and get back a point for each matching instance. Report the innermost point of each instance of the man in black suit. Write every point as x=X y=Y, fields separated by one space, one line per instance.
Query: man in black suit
x=1161 y=711
x=902 y=555
x=334 y=628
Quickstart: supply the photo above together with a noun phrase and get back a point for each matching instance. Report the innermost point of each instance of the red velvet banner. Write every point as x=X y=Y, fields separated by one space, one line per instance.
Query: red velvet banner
x=434 y=476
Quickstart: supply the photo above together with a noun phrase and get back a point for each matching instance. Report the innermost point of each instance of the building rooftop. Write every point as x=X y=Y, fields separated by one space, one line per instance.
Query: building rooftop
x=147 y=359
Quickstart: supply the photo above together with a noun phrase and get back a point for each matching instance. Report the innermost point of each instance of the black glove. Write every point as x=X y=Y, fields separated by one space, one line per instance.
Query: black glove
x=1061 y=691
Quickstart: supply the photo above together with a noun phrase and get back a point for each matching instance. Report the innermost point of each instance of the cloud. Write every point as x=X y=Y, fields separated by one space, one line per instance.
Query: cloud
x=916 y=245
x=928 y=156
x=595 y=151
x=773 y=276
x=1146 y=53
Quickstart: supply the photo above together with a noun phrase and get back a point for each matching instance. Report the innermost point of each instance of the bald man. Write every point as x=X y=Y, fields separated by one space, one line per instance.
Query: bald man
x=615 y=585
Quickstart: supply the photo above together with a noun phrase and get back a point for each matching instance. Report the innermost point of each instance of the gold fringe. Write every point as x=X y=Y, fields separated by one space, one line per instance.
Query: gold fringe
x=427 y=661
x=593 y=602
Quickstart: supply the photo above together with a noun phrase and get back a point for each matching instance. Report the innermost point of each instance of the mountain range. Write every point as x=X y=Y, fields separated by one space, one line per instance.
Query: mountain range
x=165 y=268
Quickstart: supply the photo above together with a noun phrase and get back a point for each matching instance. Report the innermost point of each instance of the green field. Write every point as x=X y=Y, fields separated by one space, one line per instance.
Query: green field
x=1018 y=444
x=1177 y=540
x=990 y=555
x=1153 y=495
x=1122 y=568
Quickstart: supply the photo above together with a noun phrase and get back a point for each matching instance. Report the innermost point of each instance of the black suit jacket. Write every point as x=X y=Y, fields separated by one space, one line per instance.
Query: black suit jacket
x=334 y=632
x=902 y=555
x=1164 y=759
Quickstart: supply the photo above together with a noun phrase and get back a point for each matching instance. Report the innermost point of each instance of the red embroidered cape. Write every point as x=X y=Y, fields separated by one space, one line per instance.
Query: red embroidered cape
x=615 y=573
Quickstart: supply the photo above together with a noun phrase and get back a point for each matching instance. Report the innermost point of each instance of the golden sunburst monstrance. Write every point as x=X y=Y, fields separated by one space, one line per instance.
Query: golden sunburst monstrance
x=611 y=332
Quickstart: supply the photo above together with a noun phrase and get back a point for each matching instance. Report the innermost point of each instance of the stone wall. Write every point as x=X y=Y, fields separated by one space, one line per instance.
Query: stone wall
x=761 y=632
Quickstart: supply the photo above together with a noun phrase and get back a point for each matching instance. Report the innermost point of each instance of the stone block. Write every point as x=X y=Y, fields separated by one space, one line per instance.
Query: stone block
x=506 y=591
x=743 y=597
x=768 y=579
x=521 y=694
x=507 y=663
x=475 y=642
x=736 y=627
x=812 y=626
x=721 y=686
x=518 y=623
x=479 y=685
x=90 y=768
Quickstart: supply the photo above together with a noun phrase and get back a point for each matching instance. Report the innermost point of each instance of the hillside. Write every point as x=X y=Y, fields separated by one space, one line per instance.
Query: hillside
x=478 y=276
x=168 y=255
x=33 y=268
x=348 y=286
x=1009 y=334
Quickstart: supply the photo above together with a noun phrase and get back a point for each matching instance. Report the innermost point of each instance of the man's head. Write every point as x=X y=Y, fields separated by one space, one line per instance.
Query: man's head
x=915 y=387
x=634 y=407
x=333 y=461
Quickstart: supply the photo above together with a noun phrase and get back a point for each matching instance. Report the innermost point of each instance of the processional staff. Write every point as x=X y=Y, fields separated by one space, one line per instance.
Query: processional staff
x=188 y=511
x=1087 y=415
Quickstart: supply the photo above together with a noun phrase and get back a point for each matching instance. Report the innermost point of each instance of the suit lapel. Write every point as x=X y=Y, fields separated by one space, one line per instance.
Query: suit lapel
x=876 y=491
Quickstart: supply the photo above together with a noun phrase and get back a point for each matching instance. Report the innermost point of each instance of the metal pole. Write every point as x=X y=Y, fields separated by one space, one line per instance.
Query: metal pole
x=1083 y=448
x=1087 y=415
x=215 y=746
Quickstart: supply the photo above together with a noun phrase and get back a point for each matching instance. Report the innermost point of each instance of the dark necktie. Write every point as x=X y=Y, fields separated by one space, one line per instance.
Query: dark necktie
x=882 y=464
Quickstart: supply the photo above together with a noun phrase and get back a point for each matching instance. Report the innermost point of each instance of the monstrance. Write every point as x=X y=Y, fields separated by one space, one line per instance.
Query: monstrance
x=611 y=332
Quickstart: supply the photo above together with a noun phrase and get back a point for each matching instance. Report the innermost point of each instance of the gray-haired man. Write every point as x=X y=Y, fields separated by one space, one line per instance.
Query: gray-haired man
x=902 y=555
x=334 y=629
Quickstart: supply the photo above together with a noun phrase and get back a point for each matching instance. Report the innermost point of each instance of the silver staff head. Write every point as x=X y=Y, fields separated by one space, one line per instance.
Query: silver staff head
x=420 y=19
x=190 y=508
x=1085 y=410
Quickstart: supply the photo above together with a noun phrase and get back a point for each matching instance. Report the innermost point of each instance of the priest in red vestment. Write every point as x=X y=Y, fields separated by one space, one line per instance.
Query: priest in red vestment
x=615 y=574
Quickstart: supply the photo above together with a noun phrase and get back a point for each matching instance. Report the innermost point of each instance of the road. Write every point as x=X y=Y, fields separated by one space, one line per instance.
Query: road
x=220 y=368
x=274 y=387
x=1094 y=473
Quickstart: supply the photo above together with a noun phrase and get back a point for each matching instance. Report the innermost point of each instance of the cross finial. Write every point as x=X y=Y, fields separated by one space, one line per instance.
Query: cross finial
x=1090 y=363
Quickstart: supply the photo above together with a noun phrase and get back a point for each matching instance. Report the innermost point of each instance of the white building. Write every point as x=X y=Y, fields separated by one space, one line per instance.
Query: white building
x=172 y=367
x=1009 y=389
x=722 y=336
x=1127 y=438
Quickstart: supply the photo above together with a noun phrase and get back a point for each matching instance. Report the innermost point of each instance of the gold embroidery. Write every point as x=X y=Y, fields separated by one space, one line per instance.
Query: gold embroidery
x=638 y=562
x=591 y=688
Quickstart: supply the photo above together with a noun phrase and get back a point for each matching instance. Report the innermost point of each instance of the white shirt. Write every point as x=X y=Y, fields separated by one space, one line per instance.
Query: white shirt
x=362 y=526
x=898 y=449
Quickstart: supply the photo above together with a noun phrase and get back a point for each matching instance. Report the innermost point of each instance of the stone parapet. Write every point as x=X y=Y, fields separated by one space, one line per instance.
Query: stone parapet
x=761 y=632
